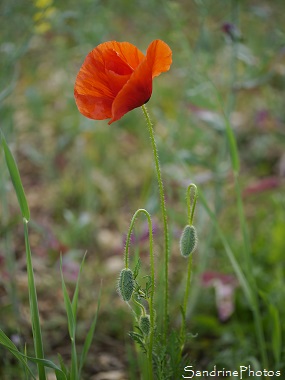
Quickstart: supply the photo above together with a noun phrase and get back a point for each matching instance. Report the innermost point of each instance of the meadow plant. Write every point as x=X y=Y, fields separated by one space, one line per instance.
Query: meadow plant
x=77 y=361
x=115 y=78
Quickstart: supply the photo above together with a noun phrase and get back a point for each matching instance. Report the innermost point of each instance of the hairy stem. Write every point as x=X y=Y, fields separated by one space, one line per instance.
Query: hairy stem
x=164 y=217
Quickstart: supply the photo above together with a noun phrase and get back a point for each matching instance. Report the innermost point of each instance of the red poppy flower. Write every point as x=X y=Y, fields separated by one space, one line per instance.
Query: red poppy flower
x=116 y=77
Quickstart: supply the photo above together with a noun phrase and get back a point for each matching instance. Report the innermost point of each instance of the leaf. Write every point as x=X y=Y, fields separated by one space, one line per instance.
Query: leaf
x=34 y=310
x=68 y=306
x=16 y=179
x=27 y=377
x=62 y=365
x=76 y=292
x=138 y=338
x=232 y=146
x=89 y=337
x=235 y=264
x=6 y=342
x=71 y=319
x=47 y=363
x=276 y=334
x=137 y=269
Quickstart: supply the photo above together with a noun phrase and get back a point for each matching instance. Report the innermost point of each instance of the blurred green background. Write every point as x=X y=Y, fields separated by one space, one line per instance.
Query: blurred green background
x=84 y=179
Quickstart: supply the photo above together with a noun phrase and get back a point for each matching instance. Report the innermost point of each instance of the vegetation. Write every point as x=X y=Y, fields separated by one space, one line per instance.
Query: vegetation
x=218 y=117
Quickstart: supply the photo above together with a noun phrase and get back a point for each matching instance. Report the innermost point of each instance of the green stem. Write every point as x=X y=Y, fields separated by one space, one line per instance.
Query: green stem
x=138 y=304
x=164 y=217
x=151 y=255
x=240 y=207
x=190 y=211
x=249 y=274
x=36 y=328
x=190 y=206
x=186 y=296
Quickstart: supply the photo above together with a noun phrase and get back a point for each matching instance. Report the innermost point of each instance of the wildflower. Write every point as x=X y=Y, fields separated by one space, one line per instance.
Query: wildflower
x=116 y=77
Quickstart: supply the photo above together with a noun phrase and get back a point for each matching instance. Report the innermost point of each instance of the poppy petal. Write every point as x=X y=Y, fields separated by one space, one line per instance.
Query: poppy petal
x=138 y=89
x=159 y=56
x=135 y=93
x=128 y=52
x=104 y=72
x=116 y=77
x=93 y=107
x=92 y=92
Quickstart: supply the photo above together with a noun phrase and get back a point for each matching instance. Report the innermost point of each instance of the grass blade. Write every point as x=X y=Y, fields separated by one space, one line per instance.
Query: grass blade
x=76 y=291
x=62 y=365
x=6 y=342
x=240 y=275
x=60 y=375
x=89 y=337
x=36 y=328
x=71 y=319
x=16 y=179
x=276 y=334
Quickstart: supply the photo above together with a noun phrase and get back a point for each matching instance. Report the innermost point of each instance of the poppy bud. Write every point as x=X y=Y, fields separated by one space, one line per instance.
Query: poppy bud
x=126 y=284
x=188 y=241
x=144 y=324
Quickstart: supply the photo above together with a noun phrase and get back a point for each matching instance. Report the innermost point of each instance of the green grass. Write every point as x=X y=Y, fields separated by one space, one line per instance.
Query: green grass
x=219 y=111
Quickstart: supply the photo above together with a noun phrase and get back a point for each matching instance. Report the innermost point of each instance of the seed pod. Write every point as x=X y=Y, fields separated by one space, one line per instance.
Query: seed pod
x=144 y=324
x=188 y=241
x=126 y=284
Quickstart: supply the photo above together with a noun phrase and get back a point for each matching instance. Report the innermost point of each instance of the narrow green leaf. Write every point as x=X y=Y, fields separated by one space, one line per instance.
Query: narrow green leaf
x=27 y=377
x=47 y=363
x=71 y=319
x=16 y=179
x=276 y=334
x=6 y=342
x=76 y=291
x=68 y=307
x=89 y=337
x=235 y=264
x=36 y=327
x=62 y=365
x=232 y=146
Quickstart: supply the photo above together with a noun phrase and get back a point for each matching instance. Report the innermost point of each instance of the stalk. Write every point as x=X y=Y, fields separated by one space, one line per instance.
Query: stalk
x=164 y=217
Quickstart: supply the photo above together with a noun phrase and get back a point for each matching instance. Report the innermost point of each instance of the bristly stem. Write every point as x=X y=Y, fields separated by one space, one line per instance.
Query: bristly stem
x=191 y=207
x=191 y=204
x=151 y=300
x=164 y=217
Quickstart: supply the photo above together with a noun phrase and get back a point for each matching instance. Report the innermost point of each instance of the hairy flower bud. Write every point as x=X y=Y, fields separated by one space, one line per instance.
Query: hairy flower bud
x=188 y=241
x=126 y=284
x=144 y=324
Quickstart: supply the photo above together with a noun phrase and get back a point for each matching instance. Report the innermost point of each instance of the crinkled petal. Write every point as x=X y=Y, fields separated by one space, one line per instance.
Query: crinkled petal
x=103 y=74
x=129 y=53
x=138 y=89
x=94 y=107
x=92 y=91
x=135 y=93
x=159 y=57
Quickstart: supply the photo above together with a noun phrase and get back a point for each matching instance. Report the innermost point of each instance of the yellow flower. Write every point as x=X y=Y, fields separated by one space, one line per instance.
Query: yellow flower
x=42 y=28
x=43 y=3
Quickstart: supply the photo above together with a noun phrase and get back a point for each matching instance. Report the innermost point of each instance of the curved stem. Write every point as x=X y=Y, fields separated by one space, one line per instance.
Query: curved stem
x=191 y=204
x=138 y=304
x=191 y=208
x=151 y=255
x=164 y=217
